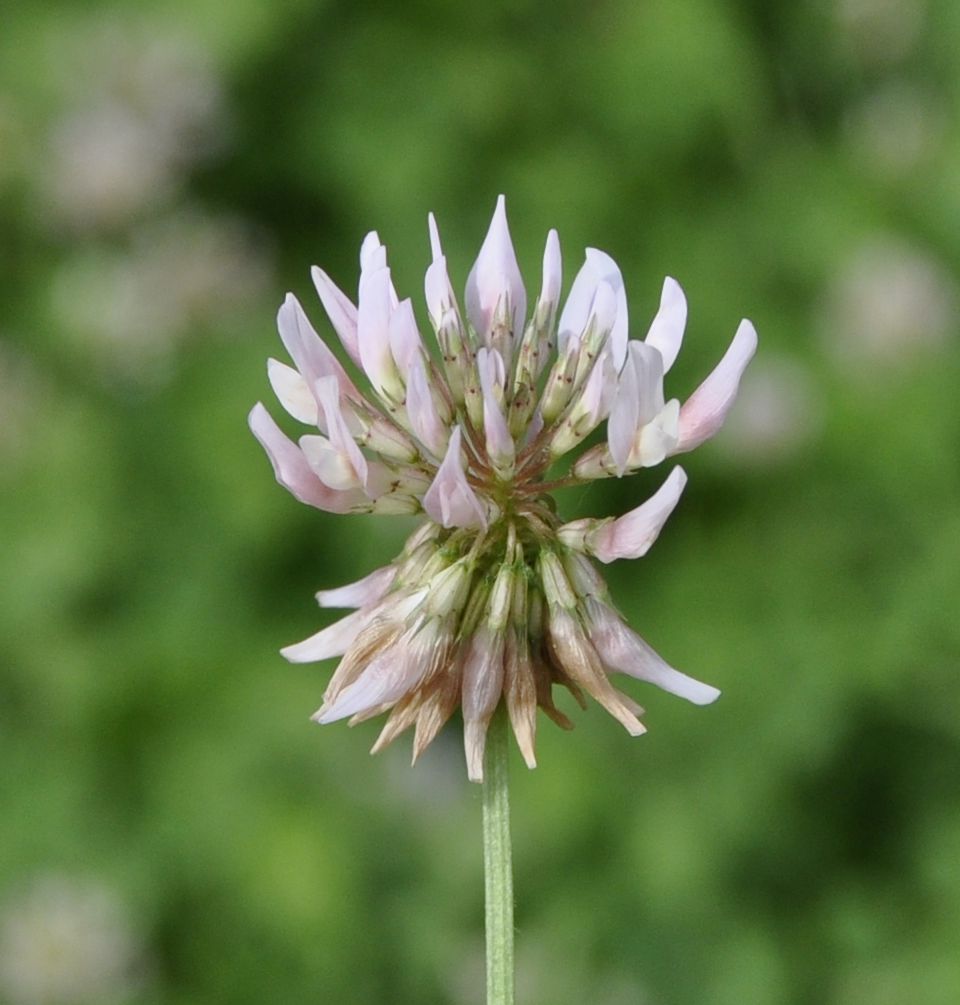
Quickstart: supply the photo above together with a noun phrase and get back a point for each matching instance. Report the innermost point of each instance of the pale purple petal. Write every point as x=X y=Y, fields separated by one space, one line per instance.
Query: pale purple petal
x=422 y=412
x=666 y=329
x=495 y=277
x=703 y=412
x=405 y=342
x=334 y=640
x=450 y=501
x=373 y=254
x=307 y=350
x=292 y=470
x=293 y=392
x=364 y=591
x=633 y=534
x=340 y=310
x=621 y=649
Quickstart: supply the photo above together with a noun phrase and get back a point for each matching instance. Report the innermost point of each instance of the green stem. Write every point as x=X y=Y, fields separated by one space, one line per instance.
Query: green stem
x=498 y=870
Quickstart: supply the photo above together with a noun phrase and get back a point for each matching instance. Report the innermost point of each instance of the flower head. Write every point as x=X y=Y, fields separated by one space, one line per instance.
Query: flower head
x=493 y=598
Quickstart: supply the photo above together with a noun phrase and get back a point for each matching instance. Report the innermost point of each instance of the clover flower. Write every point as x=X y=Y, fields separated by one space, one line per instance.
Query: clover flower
x=493 y=597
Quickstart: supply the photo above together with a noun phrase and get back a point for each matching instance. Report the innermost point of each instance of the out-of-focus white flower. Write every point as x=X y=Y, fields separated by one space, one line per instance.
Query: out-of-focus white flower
x=493 y=599
x=896 y=129
x=881 y=31
x=183 y=273
x=140 y=108
x=888 y=303
x=67 y=942
x=779 y=410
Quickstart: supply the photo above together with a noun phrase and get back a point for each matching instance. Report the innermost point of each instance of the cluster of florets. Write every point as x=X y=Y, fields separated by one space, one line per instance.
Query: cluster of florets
x=493 y=598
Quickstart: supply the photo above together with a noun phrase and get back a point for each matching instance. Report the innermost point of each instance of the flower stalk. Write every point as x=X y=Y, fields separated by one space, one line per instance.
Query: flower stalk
x=497 y=863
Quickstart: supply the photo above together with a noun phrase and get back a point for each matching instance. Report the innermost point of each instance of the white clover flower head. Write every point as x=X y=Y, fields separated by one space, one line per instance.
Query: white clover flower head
x=493 y=598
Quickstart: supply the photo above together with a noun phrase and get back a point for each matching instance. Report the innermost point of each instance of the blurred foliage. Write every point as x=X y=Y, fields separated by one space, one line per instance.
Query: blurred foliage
x=167 y=170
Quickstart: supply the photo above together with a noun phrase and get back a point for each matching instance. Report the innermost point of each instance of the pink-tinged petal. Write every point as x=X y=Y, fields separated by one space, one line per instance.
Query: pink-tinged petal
x=330 y=465
x=633 y=534
x=292 y=470
x=364 y=591
x=422 y=412
x=666 y=329
x=598 y=268
x=492 y=374
x=495 y=278
x=340 y=310
x=450 y=501
x=621 y=649
x=436 y=250
x=373 y=331
x=405 y=342
x=293 y=392
x=334 y=640
x=308 y=351
x=552 y=271
x=703 y=412
x=328 y=394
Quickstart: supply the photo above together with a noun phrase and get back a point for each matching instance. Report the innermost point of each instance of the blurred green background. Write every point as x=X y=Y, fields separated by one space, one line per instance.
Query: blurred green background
x=172 y=828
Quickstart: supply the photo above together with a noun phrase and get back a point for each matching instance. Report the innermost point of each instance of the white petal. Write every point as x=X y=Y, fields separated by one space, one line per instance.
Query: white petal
x=552 y=270
x=666 y=329
x=388 y=677
x=330 y=465
x=435 y=250
x=633 y=534
x=292 y=470
x=492 y=375
x=649 y=366
x=334 y=640
x=450 y=501
x=495 y=276
x=623 y=650
x=598 y=268
x=405 y=343
x=364 y=591
x=658 y=438
x=293 y=392
x=373 y=255
x=340 y=310
x=373 y=329
x=624 y=415
x=328 y=394
x=703 y=412
x=437 y=291
x=422 y=411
